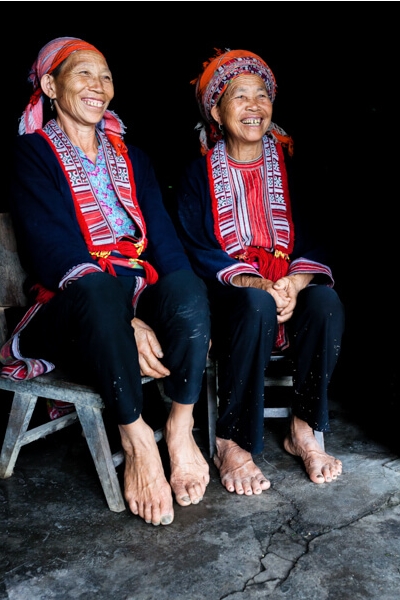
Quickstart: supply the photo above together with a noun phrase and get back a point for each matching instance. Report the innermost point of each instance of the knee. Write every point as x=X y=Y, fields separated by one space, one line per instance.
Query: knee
x=258 y=306
x=328 y=298
x=324 y=303
x=99 y=292
x=186 y=294
x=95 y=283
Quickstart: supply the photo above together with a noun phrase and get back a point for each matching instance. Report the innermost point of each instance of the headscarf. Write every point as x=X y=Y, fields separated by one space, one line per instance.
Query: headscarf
x=212 y=82
x=48 y=59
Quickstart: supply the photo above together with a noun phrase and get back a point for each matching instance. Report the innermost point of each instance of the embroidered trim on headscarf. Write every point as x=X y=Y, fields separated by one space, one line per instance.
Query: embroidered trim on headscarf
x=221 y=69
x=217 y=73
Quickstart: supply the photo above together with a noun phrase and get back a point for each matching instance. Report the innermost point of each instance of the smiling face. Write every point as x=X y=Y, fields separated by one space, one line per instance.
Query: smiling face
x=245 y=112
x=82 y=90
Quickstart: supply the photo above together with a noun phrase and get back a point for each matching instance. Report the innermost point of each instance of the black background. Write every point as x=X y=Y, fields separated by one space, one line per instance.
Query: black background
x=336 y=66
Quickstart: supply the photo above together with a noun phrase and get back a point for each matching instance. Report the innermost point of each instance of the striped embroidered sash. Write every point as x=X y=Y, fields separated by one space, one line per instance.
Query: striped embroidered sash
x=228 y=227
x=98 y=233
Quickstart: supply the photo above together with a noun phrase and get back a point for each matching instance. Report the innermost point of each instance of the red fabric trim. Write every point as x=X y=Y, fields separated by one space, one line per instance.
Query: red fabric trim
x=81 y=220
x=127 y=195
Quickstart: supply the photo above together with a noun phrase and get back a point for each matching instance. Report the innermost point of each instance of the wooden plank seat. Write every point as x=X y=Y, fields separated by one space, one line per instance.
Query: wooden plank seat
x=88 y=410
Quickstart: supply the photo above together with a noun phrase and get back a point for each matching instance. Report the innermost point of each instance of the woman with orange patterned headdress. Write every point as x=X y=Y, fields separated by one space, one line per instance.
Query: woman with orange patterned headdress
x=113 y=295
x=269 y=286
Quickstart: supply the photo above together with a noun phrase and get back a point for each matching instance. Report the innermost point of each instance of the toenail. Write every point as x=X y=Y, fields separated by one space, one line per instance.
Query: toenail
x=166 y=520
x=185 y=498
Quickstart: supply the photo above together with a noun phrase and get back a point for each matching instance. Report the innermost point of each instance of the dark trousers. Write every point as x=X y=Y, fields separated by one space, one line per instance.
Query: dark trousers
x=244 y=329
x=86 y=330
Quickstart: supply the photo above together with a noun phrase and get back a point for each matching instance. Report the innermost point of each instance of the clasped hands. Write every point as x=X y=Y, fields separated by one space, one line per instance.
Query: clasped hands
x=284 y=290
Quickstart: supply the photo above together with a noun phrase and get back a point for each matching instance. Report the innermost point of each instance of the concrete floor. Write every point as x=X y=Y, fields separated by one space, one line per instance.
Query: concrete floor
x=296 y=541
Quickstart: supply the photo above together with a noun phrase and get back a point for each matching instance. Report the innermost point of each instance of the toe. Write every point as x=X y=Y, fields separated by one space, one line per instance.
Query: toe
x=166 y=519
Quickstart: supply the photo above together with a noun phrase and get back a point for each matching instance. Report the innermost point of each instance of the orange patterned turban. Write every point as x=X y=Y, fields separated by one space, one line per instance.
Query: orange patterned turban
x=212 y=82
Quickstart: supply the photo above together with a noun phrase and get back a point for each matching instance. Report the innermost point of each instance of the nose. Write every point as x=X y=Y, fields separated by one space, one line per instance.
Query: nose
x=96 y=82
x=252 y=103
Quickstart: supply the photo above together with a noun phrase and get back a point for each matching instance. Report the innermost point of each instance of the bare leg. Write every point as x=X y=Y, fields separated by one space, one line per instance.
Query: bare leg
x=237 y=469
x=146 y=489
x=321 y=467
x=189 y=470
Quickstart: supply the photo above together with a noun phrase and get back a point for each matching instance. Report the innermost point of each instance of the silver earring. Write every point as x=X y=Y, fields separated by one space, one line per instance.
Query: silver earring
x=51 y=104
x=221 y=128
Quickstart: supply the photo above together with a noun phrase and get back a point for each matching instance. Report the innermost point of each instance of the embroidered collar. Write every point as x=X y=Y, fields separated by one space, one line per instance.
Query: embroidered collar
x=276 y=190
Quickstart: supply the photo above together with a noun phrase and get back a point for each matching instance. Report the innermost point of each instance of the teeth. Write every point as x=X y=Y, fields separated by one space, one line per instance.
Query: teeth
x=251 y=121
x=95 y=103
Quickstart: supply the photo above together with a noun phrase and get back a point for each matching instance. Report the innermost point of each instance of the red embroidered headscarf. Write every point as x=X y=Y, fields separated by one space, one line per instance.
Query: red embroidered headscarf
x=212 y=82
x=48 y=59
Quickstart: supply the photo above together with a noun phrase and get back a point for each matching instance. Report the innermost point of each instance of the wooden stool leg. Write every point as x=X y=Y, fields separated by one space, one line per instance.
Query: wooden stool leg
x=93 y=427
x=319 y=436
x=18 y=423
x=212 y=403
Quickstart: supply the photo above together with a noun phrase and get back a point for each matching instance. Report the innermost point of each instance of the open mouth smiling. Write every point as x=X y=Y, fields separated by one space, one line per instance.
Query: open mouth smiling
x=95 y=103
x=252 y=121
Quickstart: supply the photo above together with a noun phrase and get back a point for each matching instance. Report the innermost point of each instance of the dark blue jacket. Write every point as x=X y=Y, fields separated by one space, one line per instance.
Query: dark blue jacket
x=50 y=242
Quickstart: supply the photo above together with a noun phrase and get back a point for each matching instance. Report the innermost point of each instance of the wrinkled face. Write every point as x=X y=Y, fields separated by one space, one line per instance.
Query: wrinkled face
x=83 y=88
x=245 y=109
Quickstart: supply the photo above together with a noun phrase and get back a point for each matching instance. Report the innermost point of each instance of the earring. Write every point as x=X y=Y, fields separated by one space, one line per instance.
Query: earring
x=51 y=104
x=221 y=128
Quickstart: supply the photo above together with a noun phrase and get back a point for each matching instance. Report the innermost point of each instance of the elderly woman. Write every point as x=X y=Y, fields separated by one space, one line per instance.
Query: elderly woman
x=113 y=294
x=269 y=287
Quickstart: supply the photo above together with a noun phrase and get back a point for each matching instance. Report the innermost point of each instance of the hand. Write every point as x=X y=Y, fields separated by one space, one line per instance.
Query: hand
x=279 y=294
x=284 y=290
x=149 y=350
x=288 y=288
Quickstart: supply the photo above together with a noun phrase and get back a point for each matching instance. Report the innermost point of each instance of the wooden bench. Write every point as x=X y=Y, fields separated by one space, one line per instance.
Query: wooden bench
x=87 y=402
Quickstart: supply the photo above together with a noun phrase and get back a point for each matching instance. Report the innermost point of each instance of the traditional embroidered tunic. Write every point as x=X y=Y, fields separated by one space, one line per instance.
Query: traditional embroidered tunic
x=81 y=239
x=238 y=219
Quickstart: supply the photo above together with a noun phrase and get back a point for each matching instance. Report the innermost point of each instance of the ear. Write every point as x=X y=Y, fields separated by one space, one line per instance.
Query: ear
x=47 y=85
x=215 y=114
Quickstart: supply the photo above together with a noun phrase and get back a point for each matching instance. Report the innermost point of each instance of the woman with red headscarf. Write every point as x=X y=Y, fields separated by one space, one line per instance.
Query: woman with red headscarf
x=269 y=287
x=113 y=294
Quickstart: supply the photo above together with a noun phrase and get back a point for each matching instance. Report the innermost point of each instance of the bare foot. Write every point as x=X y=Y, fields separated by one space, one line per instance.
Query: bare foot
x=321 y=467
x=147 y=491
x=237 y=469
x=189 y=470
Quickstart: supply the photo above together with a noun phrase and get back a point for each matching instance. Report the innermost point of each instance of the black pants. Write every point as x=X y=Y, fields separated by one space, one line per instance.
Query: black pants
x=244 y=329
x=86 y=330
